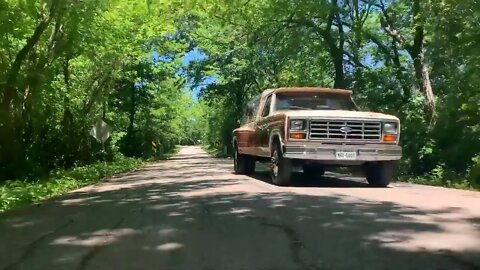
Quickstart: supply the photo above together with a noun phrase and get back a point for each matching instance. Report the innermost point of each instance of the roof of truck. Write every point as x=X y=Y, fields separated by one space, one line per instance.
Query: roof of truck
x=308 y=90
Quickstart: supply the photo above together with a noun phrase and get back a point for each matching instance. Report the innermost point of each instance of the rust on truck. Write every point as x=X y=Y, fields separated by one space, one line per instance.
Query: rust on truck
x=245 y=138
x=315 y=127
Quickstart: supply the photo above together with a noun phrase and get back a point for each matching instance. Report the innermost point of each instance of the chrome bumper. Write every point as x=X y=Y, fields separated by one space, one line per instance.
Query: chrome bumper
x=327 y=152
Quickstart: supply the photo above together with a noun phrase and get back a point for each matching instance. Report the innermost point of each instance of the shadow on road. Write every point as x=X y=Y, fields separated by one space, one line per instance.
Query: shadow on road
x=329 y=180
x=299 y=179
x=197 y=215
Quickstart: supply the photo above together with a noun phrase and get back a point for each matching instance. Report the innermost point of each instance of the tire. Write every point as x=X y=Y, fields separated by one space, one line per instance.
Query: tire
x=280 y=167
x=243 y=164
x=312 y=170
x=380 y=174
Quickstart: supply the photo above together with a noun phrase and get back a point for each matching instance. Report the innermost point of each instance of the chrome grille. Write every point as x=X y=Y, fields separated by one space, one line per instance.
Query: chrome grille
x=345 y=130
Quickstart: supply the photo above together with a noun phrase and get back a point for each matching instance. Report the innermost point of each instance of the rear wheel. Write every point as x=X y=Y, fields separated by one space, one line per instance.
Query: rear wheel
x=380 y=174
x=313 y=170
x=280 y=167
x=243 y=164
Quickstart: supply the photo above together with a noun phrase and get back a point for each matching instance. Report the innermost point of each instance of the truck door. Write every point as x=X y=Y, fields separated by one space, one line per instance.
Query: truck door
x=262 y=131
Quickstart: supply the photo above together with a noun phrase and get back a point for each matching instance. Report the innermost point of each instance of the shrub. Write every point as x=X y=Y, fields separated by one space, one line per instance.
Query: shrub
x=474 y=175
x=21 y=192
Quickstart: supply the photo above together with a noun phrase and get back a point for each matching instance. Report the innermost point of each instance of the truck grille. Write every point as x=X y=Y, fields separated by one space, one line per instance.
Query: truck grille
x=345 y=130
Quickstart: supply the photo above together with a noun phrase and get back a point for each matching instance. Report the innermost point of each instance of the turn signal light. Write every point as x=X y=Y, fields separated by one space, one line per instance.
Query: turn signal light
x=389 y=138
x=298 y=136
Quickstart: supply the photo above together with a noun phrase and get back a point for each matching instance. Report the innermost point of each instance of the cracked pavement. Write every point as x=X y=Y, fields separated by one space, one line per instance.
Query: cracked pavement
x=192 y=212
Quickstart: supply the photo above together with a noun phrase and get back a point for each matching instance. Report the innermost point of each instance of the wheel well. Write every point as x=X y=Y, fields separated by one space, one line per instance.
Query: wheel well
x=275 y=140
x=234 y=143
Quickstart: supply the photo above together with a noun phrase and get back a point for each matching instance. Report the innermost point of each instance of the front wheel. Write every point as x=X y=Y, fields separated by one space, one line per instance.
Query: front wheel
x=380 y=174
x=280 y=167
x=243 y=164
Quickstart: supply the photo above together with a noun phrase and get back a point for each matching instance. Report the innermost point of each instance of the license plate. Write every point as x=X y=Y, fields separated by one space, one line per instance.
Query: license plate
x=346 y=155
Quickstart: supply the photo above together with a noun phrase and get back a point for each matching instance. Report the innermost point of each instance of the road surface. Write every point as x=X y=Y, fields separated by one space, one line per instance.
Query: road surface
x=191 y=213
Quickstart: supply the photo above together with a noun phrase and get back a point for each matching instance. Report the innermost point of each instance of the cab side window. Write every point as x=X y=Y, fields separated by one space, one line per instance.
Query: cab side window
x=266 y=108
x=251 y=111
x=248 y=116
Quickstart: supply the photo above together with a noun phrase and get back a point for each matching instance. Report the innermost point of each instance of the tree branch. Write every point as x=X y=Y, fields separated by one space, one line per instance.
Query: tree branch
x=382 y=47
x=387 y=25
x=351 y=60
x=418 y=38
x=331 y=17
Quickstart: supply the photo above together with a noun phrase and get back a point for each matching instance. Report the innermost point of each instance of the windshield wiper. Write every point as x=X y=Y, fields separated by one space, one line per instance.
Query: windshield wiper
x=299 y=108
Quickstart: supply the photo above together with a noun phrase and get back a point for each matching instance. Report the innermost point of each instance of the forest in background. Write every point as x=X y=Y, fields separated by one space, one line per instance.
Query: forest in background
x=66 y=64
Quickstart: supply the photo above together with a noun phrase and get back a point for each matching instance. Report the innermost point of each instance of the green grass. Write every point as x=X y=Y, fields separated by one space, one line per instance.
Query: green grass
x=166 y=155
x=172 y=153
x=457 y=183
x=19 y=192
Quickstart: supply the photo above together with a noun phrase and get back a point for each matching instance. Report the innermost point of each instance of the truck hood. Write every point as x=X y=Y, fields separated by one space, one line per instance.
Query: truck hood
x=337 y=114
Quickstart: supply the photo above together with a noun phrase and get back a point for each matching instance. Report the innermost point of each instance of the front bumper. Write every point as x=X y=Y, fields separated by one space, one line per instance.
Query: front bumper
x=327 y=152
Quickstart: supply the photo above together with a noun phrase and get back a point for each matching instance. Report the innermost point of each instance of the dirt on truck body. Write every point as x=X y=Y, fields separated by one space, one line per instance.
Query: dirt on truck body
x=315 y=128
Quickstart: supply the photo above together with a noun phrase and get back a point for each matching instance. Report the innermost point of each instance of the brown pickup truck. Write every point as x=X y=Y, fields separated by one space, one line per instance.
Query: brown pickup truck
x=314 y=128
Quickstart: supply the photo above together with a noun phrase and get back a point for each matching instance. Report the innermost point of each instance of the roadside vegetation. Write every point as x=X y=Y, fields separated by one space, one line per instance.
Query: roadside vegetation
x=65 y=65
x=18 y=193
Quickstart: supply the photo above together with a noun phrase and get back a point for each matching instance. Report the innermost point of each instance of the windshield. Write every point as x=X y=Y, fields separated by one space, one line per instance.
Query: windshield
x=314 y=101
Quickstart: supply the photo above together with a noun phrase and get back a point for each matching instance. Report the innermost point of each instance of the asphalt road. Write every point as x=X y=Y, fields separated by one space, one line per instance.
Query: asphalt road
x=191 y=213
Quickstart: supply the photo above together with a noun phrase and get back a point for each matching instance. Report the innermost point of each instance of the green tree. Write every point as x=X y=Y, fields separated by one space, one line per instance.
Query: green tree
x=62 y=67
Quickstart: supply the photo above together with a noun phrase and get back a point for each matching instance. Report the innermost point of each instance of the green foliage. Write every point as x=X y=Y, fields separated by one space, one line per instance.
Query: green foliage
x=66 y=64
x=16 y=193
x=194 y=122
x=458 y=182
x=474 y=174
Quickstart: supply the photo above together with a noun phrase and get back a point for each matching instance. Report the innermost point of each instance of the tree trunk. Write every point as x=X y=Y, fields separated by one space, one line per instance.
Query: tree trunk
x=335 y=50
x=407 y=93
x=10 y=139
x=12 y=74
x=130 y=145
x=416 y=52
x=423 y=77
x=421 y=69
x=337 y=59
x=357 y=42
x=131 y=117
x=10 y=88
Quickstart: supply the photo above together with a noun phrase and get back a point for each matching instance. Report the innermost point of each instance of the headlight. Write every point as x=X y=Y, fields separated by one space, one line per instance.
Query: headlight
x=297 y=125
x=390 y=128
